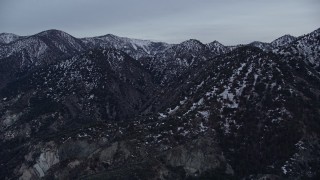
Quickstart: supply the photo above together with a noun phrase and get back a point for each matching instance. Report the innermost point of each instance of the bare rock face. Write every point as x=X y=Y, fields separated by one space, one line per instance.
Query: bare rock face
x=45 y=161
x=197 y=157
x=107 y=154
x=47 y=158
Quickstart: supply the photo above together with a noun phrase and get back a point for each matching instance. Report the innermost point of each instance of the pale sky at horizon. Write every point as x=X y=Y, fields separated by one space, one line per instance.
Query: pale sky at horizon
x=228 y=21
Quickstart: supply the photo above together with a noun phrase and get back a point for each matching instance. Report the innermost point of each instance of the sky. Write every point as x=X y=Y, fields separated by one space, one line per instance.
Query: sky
x=228 y=21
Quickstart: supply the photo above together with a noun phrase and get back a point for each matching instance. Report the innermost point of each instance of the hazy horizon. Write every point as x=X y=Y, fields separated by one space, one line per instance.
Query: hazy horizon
x=158 y=40
x=230 y=22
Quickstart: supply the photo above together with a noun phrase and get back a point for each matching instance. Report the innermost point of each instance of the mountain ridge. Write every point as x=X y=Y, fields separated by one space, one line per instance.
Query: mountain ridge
x=121 y=108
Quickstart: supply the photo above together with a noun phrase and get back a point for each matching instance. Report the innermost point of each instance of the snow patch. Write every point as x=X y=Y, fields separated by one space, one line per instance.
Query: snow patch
x=204 y=114
x=10 y=118
x=284 y=170
x=183 y=101
x=171 y=111
x=91 y=96
x=162 y=116
x=203 y=128
x=200 y=85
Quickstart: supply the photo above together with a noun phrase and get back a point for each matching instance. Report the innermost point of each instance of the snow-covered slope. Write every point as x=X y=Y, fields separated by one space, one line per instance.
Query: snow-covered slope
x=283 y=40
x=172 y=62
x=6 y=38
x=134 y=47
x=30 y=52
x=108 y=84
x=305 y=47
x=217 y=48
x=188 y=110
x=42 y=47
x=262 y=45
x=251 y=99
x=175 y=60
x=276 y=44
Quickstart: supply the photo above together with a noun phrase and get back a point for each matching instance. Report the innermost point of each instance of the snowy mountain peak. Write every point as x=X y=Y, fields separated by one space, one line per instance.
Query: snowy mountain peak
x=262 y=45
x=317 y=31
x=110 y=36
x=137 y=42
x=136 y=48
x=54 y=33
x=307 y=46
x=216 y=43
x=217 y=48
x=6 y=38
x=283 y=40
x=192 y=44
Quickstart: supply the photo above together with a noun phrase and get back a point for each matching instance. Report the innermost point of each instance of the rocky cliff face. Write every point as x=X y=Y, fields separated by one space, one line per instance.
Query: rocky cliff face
x=115 y=108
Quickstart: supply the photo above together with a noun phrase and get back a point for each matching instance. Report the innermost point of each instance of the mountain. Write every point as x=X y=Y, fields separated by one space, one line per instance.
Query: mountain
x=262 y=45
x=110 y=107
x=44 y=45
x=253 y=102
x=54 y=45
x=6 y=38
x=274 y=45
x=283 y=40
x=305 y=47
x=134 y=47
x=109 y=73
x=175 y=60
x=26 y=53
x=30 y=52
x=99 y=86
x=218 y=48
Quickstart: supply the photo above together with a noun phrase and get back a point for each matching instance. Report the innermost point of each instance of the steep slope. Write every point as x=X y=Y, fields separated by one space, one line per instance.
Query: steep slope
x=95 y=87
x=217 y=48
x=30 y=52
x=190 y=110
x=47 y=44
x=6 y=38
x=134 y=47
x=283 y=40
x=246 y=114
x=254 y=103
x=172 y=62
x=306 y=48
x=262 y=45
x=274 y=45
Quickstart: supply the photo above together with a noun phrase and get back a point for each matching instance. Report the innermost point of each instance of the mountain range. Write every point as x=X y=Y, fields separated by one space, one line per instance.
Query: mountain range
x=111 y=107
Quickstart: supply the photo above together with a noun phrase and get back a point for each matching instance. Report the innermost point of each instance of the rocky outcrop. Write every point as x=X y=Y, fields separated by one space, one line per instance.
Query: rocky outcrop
x=199 y=156
x=46 y=159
